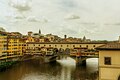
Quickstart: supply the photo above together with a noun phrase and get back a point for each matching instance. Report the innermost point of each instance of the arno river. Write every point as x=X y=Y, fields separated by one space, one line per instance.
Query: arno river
x=65 y=69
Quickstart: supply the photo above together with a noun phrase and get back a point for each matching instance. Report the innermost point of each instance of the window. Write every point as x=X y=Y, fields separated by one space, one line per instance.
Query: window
x=73 y=45
x=67 y=45
x=86 y=45
x=55 y=45
x=61 y=45
x=49 y=45
x=107 y=60
x=80 y=45
x=44 y=45
x=93 y=45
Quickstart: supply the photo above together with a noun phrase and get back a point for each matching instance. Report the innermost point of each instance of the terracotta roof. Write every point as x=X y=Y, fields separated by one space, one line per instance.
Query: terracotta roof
x=4 y=33
x=109 y=46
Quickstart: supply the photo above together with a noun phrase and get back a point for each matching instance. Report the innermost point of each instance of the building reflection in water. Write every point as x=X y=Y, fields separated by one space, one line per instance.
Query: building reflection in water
x=65 y=69
x=68 y=66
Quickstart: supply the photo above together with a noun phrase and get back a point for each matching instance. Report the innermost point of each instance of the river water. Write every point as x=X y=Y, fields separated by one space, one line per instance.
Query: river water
x=65 y=69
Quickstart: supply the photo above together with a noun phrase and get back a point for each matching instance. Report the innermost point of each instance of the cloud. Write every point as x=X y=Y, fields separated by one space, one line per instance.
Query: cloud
x=68 y=31
x=32 y=19
x=14 y=15
x=67 y=5
x=21 y=5
x=112 y=24
x=83 y=16
x=44 y=21
x=72 y=17
x=35 y=19
x=87 y=23
x=19 y=16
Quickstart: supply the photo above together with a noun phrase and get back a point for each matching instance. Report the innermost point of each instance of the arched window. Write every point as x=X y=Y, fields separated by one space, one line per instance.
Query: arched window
x=55 y=45
x=67 y=45
x=86 y=45
x=67 y=50
x=73 y=45
x=119 y=77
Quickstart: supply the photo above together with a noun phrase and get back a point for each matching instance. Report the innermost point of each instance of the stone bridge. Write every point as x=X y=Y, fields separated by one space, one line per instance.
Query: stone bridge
x=63 y=45
x=33 y=48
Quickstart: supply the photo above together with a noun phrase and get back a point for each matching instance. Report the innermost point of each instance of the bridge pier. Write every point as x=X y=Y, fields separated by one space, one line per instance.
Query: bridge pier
x=81 y=61
x=48 y=59
x=62 y=56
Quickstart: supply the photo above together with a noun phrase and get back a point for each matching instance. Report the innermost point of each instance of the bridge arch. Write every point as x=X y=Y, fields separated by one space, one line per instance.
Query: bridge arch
x=55 y=50
x=61 y=50
x=67 y=51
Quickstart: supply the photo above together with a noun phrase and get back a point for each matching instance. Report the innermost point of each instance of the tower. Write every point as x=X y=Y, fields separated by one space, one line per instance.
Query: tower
x=65 y=36
x=39 y=31
x=84 y=39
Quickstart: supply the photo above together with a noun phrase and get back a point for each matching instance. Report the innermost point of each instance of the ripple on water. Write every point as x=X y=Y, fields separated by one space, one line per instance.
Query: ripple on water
x=35 y=76
x=65 y=69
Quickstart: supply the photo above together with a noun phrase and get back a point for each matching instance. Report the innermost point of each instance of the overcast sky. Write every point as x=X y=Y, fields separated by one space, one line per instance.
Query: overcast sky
x=95 y=19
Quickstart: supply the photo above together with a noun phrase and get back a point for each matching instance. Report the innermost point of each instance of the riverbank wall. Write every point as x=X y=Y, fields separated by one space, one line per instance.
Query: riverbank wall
x=6 y=65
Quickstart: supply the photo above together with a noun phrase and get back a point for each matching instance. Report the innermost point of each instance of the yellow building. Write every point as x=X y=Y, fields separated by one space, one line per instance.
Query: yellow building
x=3 y=44
x=15 y=46
x=109 y=61
x=42 y=40
x=32 y=48
x=11 y=45
x=21 y=47
x=30 y=39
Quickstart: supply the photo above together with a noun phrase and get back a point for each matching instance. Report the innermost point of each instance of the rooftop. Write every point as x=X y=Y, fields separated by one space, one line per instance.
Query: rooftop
x=109 y=46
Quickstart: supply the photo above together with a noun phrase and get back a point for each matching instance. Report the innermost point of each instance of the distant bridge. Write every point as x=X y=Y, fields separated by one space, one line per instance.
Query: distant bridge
x=64 y=45
x=33 y=49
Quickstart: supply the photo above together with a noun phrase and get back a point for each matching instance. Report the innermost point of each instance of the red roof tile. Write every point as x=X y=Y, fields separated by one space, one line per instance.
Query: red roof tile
x=109 y=46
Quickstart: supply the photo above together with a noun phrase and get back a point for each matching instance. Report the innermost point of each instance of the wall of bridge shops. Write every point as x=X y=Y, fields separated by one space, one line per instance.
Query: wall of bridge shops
x=62 y=45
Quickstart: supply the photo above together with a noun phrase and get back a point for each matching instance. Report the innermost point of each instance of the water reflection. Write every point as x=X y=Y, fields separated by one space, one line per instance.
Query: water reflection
x=68 y=66
x=65 y=69
x=88 y=72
